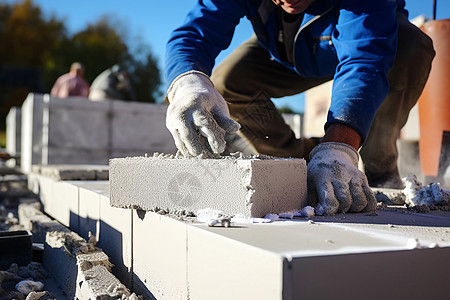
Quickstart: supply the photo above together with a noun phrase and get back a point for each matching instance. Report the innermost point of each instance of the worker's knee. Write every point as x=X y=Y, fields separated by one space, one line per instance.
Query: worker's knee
x=227 y=80
x=415 y=54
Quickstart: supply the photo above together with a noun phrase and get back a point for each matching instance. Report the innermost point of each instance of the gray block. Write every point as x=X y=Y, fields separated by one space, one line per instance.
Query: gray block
x=33 y=219
x=78 y=124
x=139 y=128
x=31 y=131
x=249 y=186
x=80 y=131
x=73 y=172
x=13 y=128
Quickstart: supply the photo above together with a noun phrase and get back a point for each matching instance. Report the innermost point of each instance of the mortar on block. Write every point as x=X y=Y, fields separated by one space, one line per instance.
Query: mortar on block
x=251 y=186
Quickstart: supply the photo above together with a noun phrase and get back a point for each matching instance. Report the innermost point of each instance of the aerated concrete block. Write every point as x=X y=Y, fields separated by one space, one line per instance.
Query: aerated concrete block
x=13 y=128
x=249 y=186
x=129 y=136
x=79 y=131
x=59 y=199
x=72 y=172
x=89 y=213
x=219 y=268
x=155 y=277
x=115 y=238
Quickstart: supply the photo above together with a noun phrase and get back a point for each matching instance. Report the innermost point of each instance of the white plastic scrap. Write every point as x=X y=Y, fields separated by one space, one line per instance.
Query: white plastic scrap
x=272 y=217
x=214 y=217
x=417 y=194
x=307 y=212
x=288 y=215
x=245 y=220
x=414 y=243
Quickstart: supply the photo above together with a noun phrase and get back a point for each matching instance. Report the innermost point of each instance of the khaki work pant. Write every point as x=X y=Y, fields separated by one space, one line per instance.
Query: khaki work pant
x=248 y=78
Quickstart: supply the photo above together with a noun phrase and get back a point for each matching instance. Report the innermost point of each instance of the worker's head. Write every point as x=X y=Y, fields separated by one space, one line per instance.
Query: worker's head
x=77 y=68
x=293 y=6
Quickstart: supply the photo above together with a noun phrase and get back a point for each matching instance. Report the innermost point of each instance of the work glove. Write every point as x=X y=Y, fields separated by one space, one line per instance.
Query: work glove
x=198 y=116
x=335 y=184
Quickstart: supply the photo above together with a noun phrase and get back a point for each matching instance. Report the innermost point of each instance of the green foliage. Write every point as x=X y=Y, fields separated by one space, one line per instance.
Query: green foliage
x=144 y=75
x=98 y=47
x=286 y=110
x=36 y=42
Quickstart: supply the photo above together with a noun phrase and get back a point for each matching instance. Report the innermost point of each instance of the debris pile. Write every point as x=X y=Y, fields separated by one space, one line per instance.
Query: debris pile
x=432 y=195
x=24 y=282
x=214 y=217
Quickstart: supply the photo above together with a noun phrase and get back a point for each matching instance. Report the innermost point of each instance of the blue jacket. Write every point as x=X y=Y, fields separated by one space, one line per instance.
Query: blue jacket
x=353 y=40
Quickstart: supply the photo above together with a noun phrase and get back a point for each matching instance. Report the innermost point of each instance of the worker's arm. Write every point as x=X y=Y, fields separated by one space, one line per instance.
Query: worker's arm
x=340 y=133
x=208 y=29
x=198 y=116
x=365 y=41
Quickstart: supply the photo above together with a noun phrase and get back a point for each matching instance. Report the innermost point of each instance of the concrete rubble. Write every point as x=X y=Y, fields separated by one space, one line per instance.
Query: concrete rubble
x=67 y=266
x=81 y=269
x=415 y=196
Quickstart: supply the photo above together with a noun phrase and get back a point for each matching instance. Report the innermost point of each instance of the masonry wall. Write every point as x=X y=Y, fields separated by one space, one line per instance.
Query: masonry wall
x=13 y=129
x=79 y=131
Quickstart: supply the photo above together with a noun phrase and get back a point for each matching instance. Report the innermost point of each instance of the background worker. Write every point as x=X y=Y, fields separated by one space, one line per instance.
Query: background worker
x=114 y=84
x=71 y=84
x=378 y=60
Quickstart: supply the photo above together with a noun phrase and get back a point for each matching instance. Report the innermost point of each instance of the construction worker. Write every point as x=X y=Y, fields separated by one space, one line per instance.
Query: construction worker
x=378 y=60
x=113 y=83
x=71 y=84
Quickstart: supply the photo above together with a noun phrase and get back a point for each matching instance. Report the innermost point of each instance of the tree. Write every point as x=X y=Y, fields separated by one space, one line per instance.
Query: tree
x=144 y=75
x=100 y=46
x=39 y=47
x=286 y=110
x=27 y=43
x=30 y=39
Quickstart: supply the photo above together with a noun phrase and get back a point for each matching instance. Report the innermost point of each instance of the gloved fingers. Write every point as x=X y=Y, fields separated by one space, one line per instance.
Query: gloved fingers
x=359 y=200
x=216 y=138
x=327 y=202
x=228 y=124
x=189 y=140
x=312 y=192
x=343 y=196
x=371 y=200
x=179 y=143
x=173 y=129
x=209 y=128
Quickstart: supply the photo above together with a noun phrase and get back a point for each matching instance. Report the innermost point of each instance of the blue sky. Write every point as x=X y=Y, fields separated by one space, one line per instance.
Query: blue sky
x=152 y=21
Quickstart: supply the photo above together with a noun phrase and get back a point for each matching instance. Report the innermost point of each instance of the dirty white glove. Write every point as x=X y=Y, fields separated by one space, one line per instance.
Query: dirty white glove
x=335 y=184
x=198 y=116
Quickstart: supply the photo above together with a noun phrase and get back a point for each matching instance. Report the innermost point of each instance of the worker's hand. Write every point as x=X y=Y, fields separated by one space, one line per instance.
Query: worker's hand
x=335 y=184
x=198 y=116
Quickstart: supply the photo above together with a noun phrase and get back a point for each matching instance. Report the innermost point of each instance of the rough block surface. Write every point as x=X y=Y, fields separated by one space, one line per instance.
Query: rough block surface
x=72 y=172
x=249 y=186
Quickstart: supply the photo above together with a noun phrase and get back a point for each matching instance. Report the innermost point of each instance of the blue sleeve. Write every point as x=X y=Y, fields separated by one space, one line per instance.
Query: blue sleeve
x=365 y=39
x=208 y=29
